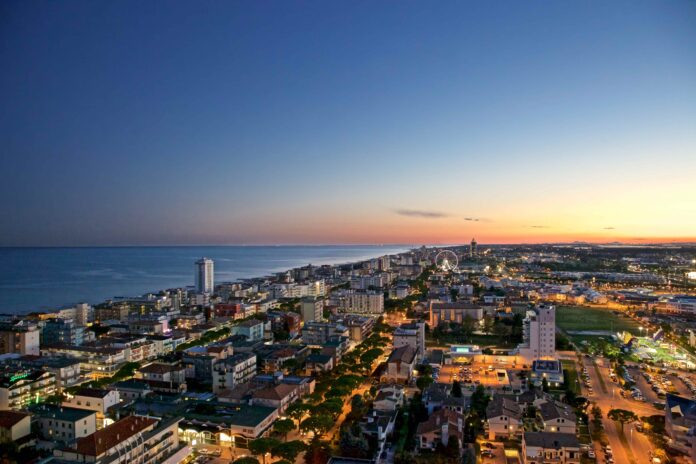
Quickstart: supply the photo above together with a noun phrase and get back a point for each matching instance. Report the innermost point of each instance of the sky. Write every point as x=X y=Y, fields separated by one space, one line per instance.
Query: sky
x=245 y=122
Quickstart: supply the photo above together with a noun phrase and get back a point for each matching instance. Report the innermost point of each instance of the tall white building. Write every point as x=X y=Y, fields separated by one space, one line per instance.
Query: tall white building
x=539 y=332
x=205 y=275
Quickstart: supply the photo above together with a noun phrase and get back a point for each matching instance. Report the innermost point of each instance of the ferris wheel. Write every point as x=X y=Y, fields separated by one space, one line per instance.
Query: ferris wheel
x=446 y=260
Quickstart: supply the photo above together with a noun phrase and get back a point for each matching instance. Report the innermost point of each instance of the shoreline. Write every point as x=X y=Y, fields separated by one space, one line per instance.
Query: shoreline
x=338 y=261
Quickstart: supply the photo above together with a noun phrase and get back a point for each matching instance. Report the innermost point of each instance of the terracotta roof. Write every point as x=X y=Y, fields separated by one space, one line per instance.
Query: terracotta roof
x=101 y=441
x=11 y=418
x=438 y=418
x=277 y=392
x=501 y=406
x=404 y=354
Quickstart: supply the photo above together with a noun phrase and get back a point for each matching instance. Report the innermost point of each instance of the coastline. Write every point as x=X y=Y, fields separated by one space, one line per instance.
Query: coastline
x=50 y=278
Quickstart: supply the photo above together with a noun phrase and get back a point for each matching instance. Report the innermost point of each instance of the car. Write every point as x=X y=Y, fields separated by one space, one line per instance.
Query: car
x=488 y=445
x=487 y=453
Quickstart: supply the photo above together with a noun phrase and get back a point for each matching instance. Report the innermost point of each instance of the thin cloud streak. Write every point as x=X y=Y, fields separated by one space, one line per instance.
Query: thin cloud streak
x=421 y=213
x=540 y=227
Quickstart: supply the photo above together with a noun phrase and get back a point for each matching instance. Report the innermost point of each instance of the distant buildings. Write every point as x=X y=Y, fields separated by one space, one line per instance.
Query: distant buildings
x=62 y=332
x=19 y=337
x=453 y=312
x=205 y=276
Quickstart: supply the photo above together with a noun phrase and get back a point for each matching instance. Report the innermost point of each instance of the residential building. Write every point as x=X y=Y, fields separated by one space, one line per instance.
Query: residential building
x=442 y=312
x=66 y=371
x=401 y=364
x=20 y=337
x=412 y=335
x=359 y=327
x=539 y=334
x=94 y=399
x=546 y=447
x=19 y=388
x=441 y=427
x=503 y=418
x=112 y=312
x=62 y=332
x=234 y=370
x=252 y=329
x=276 y=396
x=240 y=422
x=389 y=398
x=556 y=417
x=205 y=276
x=318 y=333
x=133 y=439
x=680 y=424
x=362 y=302
x=15 y=427
x=63 y=425
x=312 y=309
x=318 y=363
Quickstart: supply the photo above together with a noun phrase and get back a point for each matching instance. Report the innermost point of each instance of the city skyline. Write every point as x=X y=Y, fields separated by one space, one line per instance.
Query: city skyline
x=359 y=123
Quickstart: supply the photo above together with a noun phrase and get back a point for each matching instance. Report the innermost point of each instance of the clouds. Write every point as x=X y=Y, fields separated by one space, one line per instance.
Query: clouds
x=434 y=214
x=540 y=227
x=609 y=228
x=421 y=213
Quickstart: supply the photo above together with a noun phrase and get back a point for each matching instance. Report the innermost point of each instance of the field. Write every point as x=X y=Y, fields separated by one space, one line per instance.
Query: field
x=576 y=318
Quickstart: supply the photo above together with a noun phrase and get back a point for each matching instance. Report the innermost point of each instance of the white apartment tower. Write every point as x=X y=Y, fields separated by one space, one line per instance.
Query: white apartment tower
x=539 y=331
x=205 y=275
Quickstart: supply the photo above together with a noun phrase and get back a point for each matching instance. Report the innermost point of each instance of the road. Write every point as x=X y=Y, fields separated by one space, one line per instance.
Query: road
x=632 y=447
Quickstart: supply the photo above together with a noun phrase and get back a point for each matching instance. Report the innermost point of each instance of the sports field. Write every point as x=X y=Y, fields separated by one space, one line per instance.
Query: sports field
x=577 y=318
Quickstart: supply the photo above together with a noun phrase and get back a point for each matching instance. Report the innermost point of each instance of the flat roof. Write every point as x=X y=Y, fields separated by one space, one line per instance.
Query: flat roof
x=62 y=413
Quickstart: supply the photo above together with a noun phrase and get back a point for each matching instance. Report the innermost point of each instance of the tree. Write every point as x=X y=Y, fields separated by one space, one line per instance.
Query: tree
x=261 y=446
x=289 y=450
x=622 y=416
x=456 y=390
x=317 y=423
x=297 y=411
x=246 y=460
x=468 y=326
x=283 y=427
x=487 y=324
x=424 y=382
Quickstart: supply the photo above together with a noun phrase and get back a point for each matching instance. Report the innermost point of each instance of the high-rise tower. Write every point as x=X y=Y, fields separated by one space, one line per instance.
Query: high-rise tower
x=205 y=275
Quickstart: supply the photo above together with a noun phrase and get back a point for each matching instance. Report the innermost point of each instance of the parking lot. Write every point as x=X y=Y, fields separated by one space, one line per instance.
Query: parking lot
x=472 y=375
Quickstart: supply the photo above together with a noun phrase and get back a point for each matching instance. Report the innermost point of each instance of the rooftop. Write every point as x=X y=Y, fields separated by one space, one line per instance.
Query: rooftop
x=63 y=413
x=551 y=440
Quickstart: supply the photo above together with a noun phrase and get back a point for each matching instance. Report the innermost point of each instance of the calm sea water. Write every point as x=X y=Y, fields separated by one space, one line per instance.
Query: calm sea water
x=33 y=279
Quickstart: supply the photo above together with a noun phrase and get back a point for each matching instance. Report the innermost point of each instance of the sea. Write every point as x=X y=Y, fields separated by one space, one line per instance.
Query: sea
x=43 y=279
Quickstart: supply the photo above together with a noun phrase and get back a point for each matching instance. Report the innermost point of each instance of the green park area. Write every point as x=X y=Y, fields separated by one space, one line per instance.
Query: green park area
x=578 y=318
x=593 y=325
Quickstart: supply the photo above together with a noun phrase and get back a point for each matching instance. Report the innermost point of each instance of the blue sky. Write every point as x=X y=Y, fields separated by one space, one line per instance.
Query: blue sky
x=321 y=122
